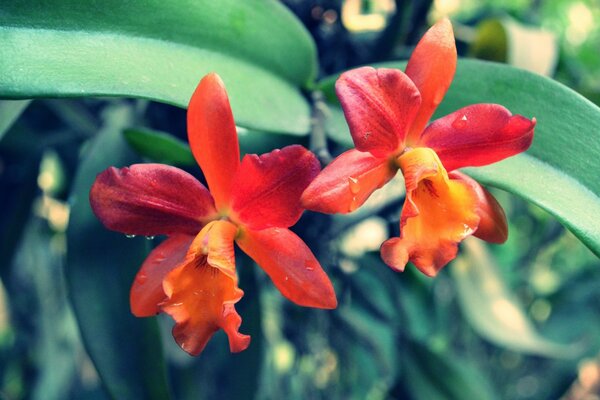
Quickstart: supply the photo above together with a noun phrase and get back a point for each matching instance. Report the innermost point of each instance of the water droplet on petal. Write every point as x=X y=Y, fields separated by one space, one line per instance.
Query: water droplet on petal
x=353 y=204
x=287 y=278
x=149 y=237
x=140 y=279
x=129 y=236
x=460 y=123
x=354 y=185
x=309 y=266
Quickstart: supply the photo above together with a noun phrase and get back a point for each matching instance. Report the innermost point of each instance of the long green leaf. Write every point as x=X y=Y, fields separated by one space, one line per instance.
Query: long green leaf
x=432 y=374
x=493 y=312
x=101 y=266
x=560 y=170
x=159 y=50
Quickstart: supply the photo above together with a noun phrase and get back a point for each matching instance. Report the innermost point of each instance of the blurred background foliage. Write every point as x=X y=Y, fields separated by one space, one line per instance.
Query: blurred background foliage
x=517 y=321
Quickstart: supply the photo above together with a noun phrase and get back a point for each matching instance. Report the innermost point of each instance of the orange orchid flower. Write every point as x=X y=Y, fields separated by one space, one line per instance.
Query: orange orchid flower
x=191 y=275
x=387 y=112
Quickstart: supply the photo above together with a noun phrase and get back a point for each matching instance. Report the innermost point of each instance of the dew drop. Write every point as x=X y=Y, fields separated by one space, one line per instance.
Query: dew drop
x=354 y=185
x=287 y=278
x=149 y=237
x=129 y=236
x=460 y=123
x=141 y=279
x=353 y=204
x=309 y=266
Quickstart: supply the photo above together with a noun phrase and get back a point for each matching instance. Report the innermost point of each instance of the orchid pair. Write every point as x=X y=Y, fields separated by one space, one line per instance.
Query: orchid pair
x=192 y=276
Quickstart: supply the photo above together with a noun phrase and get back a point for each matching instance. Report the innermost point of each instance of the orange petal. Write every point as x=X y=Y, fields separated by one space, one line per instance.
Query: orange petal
x=213 y=137
x=202 y=290
x=346 y=183
x=431 y=67
x=492 y=227
x=147 y=289
x=438 y=213
x=291 y=266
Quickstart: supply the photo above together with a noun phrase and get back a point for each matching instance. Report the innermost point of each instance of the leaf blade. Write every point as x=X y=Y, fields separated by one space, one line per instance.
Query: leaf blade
x=54 y=49
x=100 y=267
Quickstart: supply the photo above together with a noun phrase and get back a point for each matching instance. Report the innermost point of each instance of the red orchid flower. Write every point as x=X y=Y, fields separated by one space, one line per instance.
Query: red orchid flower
x=191 y=275
x=387 y=112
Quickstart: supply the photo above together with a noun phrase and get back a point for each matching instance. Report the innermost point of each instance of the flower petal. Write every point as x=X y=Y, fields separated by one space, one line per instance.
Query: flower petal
x=477 y=135
x=147 y=289
x=213 y=137
x=150 y=199
x=291 y=266
x=346 y=183
x=202 y=290
x=431 y=67
x=380 y=105
x=493 y=226
x=439 y=212
x=267 y=188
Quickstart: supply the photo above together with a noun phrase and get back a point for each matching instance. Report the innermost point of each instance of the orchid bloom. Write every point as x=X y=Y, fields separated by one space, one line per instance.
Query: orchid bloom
x=387 y=112
x=191 y=275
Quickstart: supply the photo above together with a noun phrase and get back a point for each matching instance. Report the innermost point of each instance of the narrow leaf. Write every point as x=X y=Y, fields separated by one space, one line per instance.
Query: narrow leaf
x=101 y=266
x=491 y=308
x=436 y=375
x=159 y=146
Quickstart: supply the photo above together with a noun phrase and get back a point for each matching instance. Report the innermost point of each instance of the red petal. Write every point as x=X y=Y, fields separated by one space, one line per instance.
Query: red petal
x=346 y=183
x=477 y=135
x=379 y=105
x=267 y=188
x=147 y=289
x=202 y=290
x=150 y=199
x=492 y=227
x=213 y=137
x=291 y=266
x=431 y=67
x=439 y=212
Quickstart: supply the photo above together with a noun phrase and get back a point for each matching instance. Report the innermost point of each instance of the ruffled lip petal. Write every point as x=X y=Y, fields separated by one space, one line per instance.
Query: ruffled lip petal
x=493 y=226
x=438 y=213
x=346 y=183
x=267 y=188
x=201 y=301
x=431 y=67
x=213 y=137
x=478 y=135
x=147 y=289
x=150 y=199
x=202 y=290
x=291 y=266
x=380 y=106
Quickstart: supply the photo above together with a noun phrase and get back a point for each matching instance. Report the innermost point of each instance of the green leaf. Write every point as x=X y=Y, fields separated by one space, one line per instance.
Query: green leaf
x=159 y=146
x=160 y=50
x=432 y=374
x=9 y=112
x=489 y=306
x=101 y=266
x=560 y=170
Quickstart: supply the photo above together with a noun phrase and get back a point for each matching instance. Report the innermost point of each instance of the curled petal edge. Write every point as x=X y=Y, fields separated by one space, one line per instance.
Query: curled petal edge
x=202 y=291
x=439 y=212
